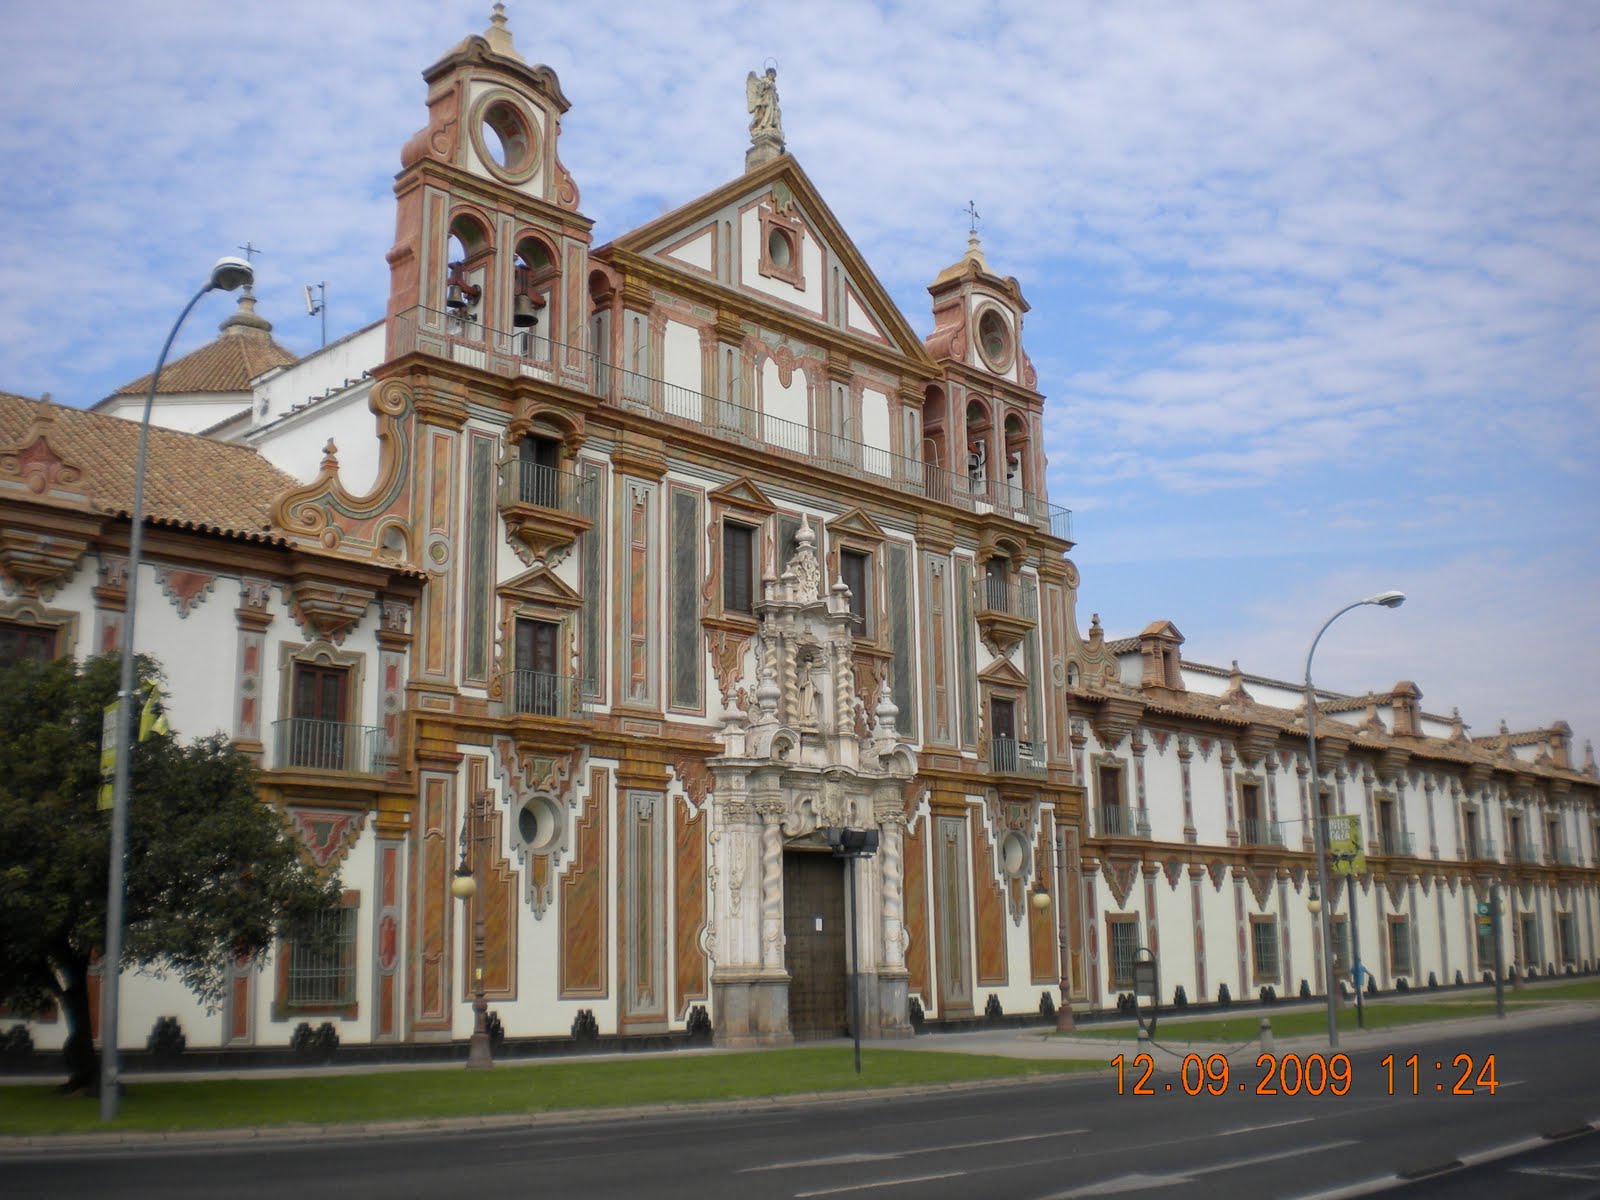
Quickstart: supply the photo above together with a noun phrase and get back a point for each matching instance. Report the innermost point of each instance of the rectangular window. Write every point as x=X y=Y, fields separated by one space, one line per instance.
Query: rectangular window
x=1257 y=831
x=1531 y=954
x=25 y=642
x=318 y=734
x=1568 y=933
x=1002 y=734
x=321 y=954
x=1470 y=826
x=539 y=461
x=1114 y=818
x=738 y=568
x=1341 y=946
x=1485 y=947
x=1264 y=949
x=1400 y=945
x=854 y=570
x=536 y=677
x=1124 y=939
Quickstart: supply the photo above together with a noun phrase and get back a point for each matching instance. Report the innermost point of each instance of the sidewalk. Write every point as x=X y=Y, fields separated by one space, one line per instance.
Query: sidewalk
x=1034 y=1043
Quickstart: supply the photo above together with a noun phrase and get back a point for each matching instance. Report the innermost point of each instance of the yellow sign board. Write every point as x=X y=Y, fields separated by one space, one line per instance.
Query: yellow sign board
x=1344 y=844
x=108 y=755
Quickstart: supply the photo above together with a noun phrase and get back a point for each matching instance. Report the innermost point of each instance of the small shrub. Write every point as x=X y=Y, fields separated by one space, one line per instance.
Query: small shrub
x=1372 y=984
x=497 y=1031
x=1460 y=981
x=1047 y=1006
x=166 y=1040
x=1180 y=998
x=1433 y=982
x=1224 y=996
x=699 y=1024
x=314 y=1045
x=1400 y=985
x=992 y=1010
x=16 y=1047
x=918 y=1018
x=585 y=1029
x=1268 y=995
x=1305 y=990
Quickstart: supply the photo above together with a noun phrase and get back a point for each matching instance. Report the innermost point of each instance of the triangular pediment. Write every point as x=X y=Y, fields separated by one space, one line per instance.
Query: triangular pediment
x=541 y=586
x=744 y=494
x=721 y=242
x=855 y=521
x=1162 y=629
x=1003 y=671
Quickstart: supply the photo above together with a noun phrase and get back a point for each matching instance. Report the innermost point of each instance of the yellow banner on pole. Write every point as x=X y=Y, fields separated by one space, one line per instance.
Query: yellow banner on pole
x=1344 y=844
x=108 y=756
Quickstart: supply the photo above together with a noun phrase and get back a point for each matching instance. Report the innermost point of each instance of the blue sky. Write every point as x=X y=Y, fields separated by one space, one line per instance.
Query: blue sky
x=1313 y=286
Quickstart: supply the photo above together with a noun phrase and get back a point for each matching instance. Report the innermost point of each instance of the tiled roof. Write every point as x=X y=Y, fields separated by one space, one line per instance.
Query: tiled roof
x=227 y=364
x=190 y=481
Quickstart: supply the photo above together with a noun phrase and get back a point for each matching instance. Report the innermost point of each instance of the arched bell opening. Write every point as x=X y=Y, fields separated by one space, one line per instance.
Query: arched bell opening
x=469 y=254
x=535 y=288
x=980 y=465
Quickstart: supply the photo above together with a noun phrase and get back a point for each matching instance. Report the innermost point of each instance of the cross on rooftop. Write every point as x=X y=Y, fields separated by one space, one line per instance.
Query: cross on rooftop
x=250 y=251
x=972 y=217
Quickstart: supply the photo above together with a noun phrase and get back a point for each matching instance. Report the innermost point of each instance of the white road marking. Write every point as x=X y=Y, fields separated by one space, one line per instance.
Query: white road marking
x=882 y=1183
x=1128 y=1183
x=1585 y=1173
x=1274 y=1125
x=841 y=1160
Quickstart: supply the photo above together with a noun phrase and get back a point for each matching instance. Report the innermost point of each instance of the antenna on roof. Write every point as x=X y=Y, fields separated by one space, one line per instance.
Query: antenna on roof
x=318 y=304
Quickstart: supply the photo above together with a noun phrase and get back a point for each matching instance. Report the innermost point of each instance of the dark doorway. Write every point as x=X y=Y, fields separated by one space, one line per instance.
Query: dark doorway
x=813 y=926
x=541 y=459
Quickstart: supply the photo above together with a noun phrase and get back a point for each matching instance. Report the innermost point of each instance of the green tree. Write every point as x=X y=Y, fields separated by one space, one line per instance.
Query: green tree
x=212 y=873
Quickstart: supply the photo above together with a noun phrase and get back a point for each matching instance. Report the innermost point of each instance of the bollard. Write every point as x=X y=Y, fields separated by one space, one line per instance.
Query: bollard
x=1144 y=1037
x=1266 y=1036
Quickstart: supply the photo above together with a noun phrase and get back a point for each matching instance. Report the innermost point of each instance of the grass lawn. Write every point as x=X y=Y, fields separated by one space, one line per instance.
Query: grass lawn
x=521 y=1087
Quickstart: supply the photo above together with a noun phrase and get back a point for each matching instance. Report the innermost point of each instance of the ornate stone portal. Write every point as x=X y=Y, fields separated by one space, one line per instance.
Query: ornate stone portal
x=788 y=770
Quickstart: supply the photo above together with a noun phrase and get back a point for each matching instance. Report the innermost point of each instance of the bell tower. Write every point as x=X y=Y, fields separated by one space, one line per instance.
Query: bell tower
x=490 y=257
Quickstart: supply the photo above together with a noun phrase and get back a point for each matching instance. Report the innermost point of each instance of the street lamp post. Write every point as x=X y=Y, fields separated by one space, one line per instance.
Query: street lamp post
x=1319 y=829
x=851 y=844
x=480 y=1055
x=227 y=275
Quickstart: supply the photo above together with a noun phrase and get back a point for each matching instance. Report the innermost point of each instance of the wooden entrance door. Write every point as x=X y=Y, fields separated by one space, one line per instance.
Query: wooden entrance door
x=813 y=926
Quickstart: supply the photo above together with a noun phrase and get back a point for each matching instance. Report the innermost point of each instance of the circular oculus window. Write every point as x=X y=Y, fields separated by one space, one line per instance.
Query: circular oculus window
x=1014 y=854
x=780 y=249
x=994 y=339
x=506 y=140
x=539 y=824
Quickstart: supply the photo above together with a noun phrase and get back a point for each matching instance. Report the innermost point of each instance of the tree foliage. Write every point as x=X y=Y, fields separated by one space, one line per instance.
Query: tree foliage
x=212 y=873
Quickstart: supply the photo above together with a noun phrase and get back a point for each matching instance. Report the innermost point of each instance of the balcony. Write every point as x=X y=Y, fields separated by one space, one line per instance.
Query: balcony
x=542 y=694
x=1010 y=757
x=1119 y=821
x=1005 y=612
x=1392 y=842
x=1481 y=849
x=306 y=744
x=1253 y=831
x=1563 y=856
x=544 y=509
x=521 y=354
x=1520 y=850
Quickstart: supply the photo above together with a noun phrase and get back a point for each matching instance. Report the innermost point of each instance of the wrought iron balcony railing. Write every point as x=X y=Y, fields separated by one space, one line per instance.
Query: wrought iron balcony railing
x=542 y=694
x=1255 y=831
x=1394 y=842
x=1520 y=850
x=1009 y=756
x=1480 y=848
x=544 y=487
x=328 y=746
x=525 y=354
x=1005 y=596
x=1117 y=820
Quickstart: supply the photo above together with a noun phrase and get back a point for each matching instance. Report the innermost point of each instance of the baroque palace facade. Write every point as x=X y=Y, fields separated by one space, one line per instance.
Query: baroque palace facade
x=619 y=574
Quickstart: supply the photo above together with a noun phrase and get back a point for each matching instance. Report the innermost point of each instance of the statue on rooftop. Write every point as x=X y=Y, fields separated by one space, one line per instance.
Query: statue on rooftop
x=761 y=100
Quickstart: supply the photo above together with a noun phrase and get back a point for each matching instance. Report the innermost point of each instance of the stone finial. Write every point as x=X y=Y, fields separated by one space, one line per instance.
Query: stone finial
x=245 y=321
x=1458 y=728
x=1589 y=767
x=498 y=35
x=1096 y=634
x=1236 y=695
x=330 y=456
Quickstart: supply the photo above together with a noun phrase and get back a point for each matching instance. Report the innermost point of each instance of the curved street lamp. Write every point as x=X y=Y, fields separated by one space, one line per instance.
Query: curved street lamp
x=229 y=274
x=1319 y=831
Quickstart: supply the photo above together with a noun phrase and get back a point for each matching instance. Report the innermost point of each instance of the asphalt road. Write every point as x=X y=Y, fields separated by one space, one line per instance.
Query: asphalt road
x=1071 y=1137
